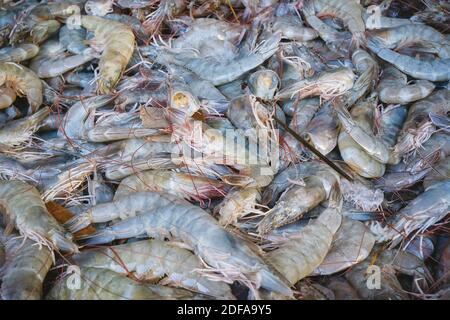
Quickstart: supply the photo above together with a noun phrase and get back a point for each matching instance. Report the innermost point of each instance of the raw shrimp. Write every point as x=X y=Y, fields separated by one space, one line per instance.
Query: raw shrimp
x=299 y=257
x=73 y=39
x=25 y=268
x=389 y=263
x=352 y=152
x=351 y=244
x=50 y=62
x=18 y=133
x=323 y=129
x=163 y=215
x=439 y=173
x=18 y=53
x=24 y=209
x=263 y=84
x=419 y=214
x=7 y=97
x=183 y=185
x=237 y=204
x=117 y=44
x=351 y=13
x=417 y=128
x=73 y=122
x=434 y=70
x=104 y=284
x=394 y=87
x=219 y=72
x=366 y=140
x=23 y=81
x=406 y=35
x=327 y=85
x=298 y=199
x=368 y=71
x=150 y=259
x=391 y=120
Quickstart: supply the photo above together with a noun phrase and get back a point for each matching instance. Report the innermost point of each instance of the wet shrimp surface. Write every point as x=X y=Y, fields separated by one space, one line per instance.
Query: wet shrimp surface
x=174 y=149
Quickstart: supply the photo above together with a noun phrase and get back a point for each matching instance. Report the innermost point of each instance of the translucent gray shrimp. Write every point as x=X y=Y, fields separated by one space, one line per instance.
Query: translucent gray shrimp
x=163 y=215
x=25 y=268
x=150 y=259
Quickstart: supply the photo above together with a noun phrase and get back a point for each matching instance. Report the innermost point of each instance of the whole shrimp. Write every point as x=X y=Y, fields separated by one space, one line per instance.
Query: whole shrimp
x=15 y=134
x=73 y=123
x=117 y=44
x=25 y=268
x=237 y=204
x=350 y=11
x=24 y=209
x=418 y=215
x=351 y=244
x=104 y=284
x=298 y=199
x=52 y=61
x=434 y=70
x=18 y=53
x=389 y=262
x=183 y=185
x=219 y=72
x=323 y=129
x=299 y=257
x=394 y=87
x=149 y=259
x=353 y=150
x=418 y=128
x=326 y=85
x=158 y=215
x=23 y=81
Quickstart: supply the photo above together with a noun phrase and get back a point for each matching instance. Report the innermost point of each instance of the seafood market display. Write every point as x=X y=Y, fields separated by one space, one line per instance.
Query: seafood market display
x=224 y=149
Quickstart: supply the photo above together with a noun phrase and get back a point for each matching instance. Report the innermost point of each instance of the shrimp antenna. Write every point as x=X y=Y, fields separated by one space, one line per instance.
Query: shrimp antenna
x=334 y=166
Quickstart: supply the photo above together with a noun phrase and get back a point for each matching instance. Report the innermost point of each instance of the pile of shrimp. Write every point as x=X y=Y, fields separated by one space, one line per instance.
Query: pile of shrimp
x=174 y=149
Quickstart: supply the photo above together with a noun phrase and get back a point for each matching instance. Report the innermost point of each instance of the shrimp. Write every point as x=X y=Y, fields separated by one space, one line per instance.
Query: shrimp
x=406 y=35
x=104 y=284
x=394 y=88
x=163 y=215
x=354 y=151
x=417 y=128
x=7 y=97
x=51 y=63
x=263 y=84
x=351 y=13
x=183 y=185
x=372 y=145
x=117 y=42
x=73 y=39
x=434 y=70
x=26 y=266
x=219 y=72
x=352 y=243
x=327 y=85
x=291 y=28
x=368 y=70
x=439 y=173
x=149 y=259
x=298 y=199
x=23 y=81
x=237 y=204
x=299 y=257
x=73 y=122
x=422 y=212
x=18 y=53
x=389 y=263
x=23 y=207
x=18 y=133
x=323 y=129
